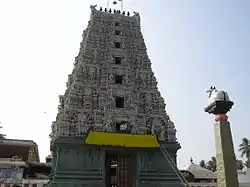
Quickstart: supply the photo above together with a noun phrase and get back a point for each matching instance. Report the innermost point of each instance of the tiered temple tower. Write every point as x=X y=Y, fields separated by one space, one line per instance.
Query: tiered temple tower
x=112 y=128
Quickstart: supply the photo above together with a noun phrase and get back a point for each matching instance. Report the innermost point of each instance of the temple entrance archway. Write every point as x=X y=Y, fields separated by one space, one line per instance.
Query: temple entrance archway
x=120 y=169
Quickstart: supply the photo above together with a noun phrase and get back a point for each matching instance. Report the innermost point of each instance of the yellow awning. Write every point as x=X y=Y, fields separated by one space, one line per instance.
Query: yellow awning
x=123 y=140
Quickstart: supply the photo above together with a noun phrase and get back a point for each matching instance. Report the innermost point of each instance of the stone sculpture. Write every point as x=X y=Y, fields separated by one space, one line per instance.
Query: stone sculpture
x=108 y=126
x=93 y=7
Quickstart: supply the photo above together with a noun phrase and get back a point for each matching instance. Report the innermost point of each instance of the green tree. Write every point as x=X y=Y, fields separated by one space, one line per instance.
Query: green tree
x=211 y=164
x=244 y=148
x=239 y=164
x=202 y=164
x=246 y=163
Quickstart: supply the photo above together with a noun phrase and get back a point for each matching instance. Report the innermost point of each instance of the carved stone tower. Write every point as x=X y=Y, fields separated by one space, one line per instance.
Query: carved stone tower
x=112 y=127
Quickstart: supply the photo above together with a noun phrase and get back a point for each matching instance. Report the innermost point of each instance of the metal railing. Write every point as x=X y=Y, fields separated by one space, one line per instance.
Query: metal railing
x=173 y=166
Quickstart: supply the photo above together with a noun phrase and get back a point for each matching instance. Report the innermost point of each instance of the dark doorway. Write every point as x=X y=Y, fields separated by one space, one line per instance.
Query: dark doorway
x=111 y=170
x=117 y=44
x=118 y=60
x=118 y=79
x=120 y=170
x=117 y=32
x=119 y=102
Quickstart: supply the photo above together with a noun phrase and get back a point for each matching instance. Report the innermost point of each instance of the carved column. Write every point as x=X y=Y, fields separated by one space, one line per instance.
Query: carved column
x=225 y=156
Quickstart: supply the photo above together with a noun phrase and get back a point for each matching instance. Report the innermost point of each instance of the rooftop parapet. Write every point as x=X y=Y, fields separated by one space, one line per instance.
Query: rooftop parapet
x=116 y=14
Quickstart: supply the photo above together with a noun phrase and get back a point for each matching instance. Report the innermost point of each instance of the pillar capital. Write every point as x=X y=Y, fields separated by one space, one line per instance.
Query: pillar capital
x=221 y=118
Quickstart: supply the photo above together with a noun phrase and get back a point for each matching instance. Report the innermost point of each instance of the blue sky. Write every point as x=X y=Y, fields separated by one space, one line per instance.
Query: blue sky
x=192 y=44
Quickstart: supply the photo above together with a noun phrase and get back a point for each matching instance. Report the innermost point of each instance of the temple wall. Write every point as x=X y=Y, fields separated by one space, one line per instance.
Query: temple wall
x=40 y=183
x=11 y=175
x=154 y=169
x=77 y=164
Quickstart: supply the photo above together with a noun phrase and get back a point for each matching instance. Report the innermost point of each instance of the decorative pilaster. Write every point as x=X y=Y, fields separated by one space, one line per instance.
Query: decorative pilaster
x=225 y=156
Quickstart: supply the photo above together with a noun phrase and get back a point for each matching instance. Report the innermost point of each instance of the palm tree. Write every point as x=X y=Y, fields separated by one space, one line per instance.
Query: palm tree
x=246 y=163
x=239 y=164
x=211 y=164
x=245 y=150
x=202 y=164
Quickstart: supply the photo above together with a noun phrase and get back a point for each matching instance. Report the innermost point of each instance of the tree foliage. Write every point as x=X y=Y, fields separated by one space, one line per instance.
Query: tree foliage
x=212 y=164
x=202 y=164
x=244 y=148
x=239 y=164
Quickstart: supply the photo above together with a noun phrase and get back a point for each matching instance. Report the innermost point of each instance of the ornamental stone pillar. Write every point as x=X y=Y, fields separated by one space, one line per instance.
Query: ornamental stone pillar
x=219 y=104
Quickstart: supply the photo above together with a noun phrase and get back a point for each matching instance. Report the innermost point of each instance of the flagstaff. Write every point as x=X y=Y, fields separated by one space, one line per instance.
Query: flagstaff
x=115 y=3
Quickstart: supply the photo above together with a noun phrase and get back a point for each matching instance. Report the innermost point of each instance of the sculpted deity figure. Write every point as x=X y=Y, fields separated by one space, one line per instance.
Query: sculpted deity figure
x=129 y=100
x=111 y=77
x=73 y=117
x=156 y=126
x=153 y=129
x=170 y=124
x=149 y=79
x=110 y=100
x=90 y=119
x=126 y=80
x=136 y=109
x=134 y=127
x=217 y=95
x=87 y=91
x=143 y=78
x=83 y=129
x=61 y=99
x=95 y=94
x=167 y=118
x=78 y=71
x=92 y=73
x=148 y=102
x=98 y=72
x=148 y=122
x=108 y=126
x=81 y=117
x=92 y=7
x=137 y=17
x=162 y=131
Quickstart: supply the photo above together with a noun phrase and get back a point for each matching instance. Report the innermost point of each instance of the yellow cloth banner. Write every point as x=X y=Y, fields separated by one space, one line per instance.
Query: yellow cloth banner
x=123 y=140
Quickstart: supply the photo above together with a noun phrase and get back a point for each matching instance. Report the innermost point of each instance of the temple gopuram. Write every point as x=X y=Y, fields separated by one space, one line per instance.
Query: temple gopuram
x=112 y=128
